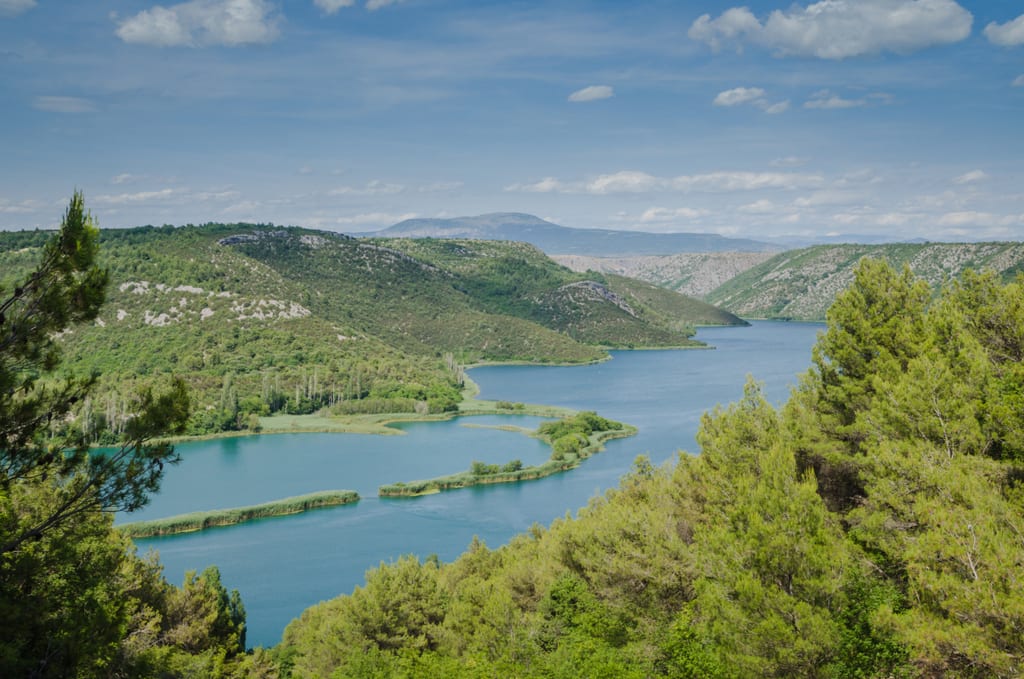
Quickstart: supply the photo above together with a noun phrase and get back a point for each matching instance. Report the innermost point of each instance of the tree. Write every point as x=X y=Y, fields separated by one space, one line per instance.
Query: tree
x=36 y=447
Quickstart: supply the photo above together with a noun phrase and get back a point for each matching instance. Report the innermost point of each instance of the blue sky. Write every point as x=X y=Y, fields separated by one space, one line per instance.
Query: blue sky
x=902 y=118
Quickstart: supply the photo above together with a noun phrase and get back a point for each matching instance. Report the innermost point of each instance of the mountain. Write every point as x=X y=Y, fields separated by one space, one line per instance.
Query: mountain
x=552 y=238
x=691 y=273
x=801 y=284
x=261 y=319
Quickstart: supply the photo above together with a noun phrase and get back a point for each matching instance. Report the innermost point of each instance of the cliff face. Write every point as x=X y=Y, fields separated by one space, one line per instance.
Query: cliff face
x=801 y=284
x=797 y=284
x=691 y=273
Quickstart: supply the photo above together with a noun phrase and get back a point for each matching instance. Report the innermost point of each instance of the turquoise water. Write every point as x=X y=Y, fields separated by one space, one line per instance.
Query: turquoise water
x=283 y=565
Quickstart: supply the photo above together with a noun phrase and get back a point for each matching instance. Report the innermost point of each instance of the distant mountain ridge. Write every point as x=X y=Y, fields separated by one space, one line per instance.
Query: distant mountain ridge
x=563 y=240
x=801 y=284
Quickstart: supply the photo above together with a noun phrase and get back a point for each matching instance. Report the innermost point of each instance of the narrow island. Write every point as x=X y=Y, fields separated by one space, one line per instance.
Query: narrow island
x=196 y=521
x=572 y=439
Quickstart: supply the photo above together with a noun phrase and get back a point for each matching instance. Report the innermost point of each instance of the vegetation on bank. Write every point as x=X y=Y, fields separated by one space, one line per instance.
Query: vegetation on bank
x=195 y=521
x=870 y=527
x=572 y=439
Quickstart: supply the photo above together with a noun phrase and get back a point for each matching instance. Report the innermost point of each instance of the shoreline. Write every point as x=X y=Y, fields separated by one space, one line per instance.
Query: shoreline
x=193 y=522
x=550 y=467
x=378 y=424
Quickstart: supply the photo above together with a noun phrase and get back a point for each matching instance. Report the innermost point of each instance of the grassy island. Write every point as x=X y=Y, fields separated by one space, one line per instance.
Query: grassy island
x=572 y=439
x=194 y=521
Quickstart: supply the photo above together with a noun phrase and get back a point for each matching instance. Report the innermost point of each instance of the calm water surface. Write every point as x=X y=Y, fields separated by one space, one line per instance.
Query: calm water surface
x=283 y=565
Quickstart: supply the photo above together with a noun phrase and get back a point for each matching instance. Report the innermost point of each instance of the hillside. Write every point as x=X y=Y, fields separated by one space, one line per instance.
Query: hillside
x=691 y=273
x=868 y=528
x=555 y=239
x=263 y=320
x=801 y=284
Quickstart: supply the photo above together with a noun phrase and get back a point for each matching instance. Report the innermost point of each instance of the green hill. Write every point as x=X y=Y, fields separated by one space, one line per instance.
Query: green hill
x=261 y=319
x=801 y=284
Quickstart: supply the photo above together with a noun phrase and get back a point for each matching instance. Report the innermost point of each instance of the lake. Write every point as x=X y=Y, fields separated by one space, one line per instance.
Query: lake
x=283 y=565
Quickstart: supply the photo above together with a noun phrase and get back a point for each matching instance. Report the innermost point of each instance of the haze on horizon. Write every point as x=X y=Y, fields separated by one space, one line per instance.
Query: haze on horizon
x=876 y=117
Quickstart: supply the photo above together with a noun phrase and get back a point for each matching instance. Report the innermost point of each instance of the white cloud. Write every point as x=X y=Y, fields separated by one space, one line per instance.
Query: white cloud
x=837 y=29
x=374 y=5
x=972 y=218
x=1019 y=81
x=661 y=214
x=373 y=188
x=202 y=22
x=22 y=207
x=631 y=181
x=789 y=161
x=749 y=95
x=627 y=181
x=124 y=178
x=332 y=6
x=1009 y=34
x=132 y=198
x=378 y=219
x=546 y=185
x=738 y=95
x=744 y=181
x=971 y=177
x=826 y=100
x=592 y=93
x=64 y=104
x=14 y=7
x=440 y=186
x=758 y=207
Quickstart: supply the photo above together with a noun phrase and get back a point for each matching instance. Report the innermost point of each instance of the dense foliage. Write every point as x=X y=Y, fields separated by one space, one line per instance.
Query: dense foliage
x=871 y=527
x=75 y=601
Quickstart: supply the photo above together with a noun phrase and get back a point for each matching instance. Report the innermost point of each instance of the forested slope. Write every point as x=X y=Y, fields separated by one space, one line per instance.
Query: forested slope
x=261 y=320
x=871 y=527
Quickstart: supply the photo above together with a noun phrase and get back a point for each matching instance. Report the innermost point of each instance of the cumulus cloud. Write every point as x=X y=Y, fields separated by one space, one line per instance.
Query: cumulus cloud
x=758 y=207
x=546 y=185
x=1019 y=81
x=203 y=22
x=971 y=177
x=827 y=100
x=10 y=207
x=631 y=181
x=378 y=219
x=592 y=93
x=332 y=6
x=64 y=104
x=373 y=188
x=661 y=214
x=837 y=29
x=440 y=186
x=374 y=5
x=749 y=95
x=789 y=161
x=973 y=218
x=1009 y=34
x=738 y=95
x=132 y=198
x=14 y=7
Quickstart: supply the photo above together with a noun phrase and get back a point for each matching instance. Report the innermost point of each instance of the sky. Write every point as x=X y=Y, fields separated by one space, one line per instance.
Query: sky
x=883 y=118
